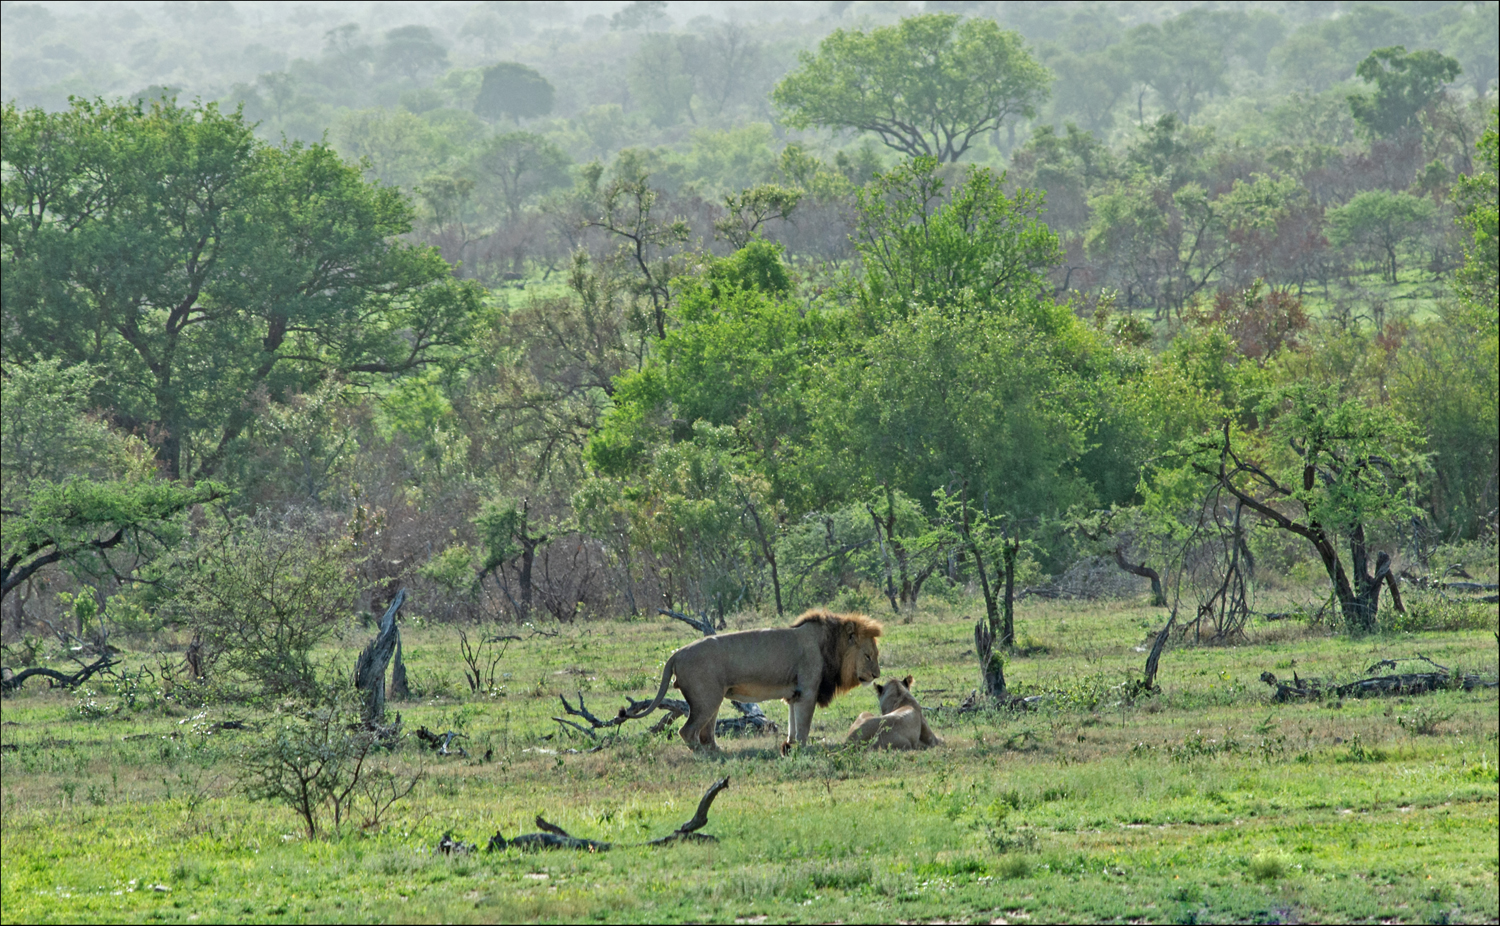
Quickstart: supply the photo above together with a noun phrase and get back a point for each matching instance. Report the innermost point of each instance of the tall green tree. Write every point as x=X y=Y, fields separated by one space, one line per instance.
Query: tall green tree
x=1404 y=84
x=412 y=52
x=1325 y=468
x=1480 y=214
x=979 y=405
x=1380 y=221
x=514 y=90
x=660 y=78
x=929 y=85
x=976 y=246
x=1447 y=373
x=1180 y=59
x=519 y=167
x=199 y=267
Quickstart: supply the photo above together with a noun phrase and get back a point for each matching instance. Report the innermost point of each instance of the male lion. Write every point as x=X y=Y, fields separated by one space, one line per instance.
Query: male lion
x=900 y=724
x=821 y=655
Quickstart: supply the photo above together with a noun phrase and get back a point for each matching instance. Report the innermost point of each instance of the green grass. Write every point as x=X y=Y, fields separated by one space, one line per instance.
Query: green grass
x=1417 y=294
x=1203 y=803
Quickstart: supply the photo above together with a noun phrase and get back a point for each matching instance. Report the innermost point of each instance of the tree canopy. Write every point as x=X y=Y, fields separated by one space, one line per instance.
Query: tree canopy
x=1405 y=82
x=929 y=85
x=514 y=90
x=166 y=242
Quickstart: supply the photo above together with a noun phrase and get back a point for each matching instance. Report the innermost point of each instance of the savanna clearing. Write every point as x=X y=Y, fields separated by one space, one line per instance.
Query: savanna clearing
x=1203 y=802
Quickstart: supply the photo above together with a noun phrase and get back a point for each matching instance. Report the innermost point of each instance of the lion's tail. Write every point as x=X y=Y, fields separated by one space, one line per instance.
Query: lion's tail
x=666 y=680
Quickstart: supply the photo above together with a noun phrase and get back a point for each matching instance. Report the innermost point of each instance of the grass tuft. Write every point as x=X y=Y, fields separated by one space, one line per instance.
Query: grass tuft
x=1268 y=868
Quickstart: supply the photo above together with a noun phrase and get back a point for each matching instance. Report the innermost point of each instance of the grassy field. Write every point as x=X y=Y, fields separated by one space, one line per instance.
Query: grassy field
x=1203 y=803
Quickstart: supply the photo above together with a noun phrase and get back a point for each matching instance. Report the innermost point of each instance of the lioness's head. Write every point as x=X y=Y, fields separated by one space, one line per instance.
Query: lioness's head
x=895 y=694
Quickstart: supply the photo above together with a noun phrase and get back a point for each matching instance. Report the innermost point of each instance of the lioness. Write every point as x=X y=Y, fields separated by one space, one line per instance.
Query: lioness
x=821 y=655
x=900 y=724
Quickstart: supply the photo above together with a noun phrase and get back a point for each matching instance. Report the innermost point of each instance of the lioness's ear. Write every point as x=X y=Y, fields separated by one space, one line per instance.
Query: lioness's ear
x=879 y=688
x=907 y=681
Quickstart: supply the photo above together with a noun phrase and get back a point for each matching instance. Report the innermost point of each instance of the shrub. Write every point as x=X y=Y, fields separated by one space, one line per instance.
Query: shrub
x=1422 y=721
x=1433 y=612
x=262 y=593
x=325 y=763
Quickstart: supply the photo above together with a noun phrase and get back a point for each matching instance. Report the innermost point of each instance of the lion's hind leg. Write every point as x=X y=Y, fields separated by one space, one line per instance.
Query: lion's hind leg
x=862 y=730
x=703 y=713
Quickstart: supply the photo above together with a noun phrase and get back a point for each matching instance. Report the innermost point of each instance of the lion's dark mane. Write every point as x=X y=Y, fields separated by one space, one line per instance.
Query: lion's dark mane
x=832 y=647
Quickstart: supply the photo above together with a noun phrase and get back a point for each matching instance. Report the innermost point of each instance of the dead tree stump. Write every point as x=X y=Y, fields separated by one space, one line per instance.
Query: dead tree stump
x=369 y=671
x=991 y=666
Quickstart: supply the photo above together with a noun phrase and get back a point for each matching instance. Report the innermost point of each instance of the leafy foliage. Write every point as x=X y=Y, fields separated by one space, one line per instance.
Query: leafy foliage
x=262 y=595
x=928 y=86
x=166 y=240
x=515 y=90
x=1404 y=85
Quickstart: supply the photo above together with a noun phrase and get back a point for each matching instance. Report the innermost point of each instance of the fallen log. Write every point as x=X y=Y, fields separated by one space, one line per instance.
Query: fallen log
x=450 y=846
x=701 y=624
x=13 y=681
x=752 y=720
x=976 y=702
x=555 y=837
x=440 y=742
x=752 y=717
x=1404 y=683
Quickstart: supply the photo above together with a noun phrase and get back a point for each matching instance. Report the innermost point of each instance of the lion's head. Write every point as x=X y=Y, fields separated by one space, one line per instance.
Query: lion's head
x=895 y=694
x=851 y=656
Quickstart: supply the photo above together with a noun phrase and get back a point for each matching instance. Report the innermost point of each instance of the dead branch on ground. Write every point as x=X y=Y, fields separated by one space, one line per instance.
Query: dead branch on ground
x=555 y=837
x=689 y=829
x=752 y=718
x=13 y=682
x=582 y=711
x=440 y=742
x=1309 y=689
x=702 y=624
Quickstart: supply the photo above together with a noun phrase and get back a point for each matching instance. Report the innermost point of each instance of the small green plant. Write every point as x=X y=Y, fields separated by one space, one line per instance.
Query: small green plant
x=264 y=593
x=1422 y=721
x=88 y=706
x=1272 y=749
x=633 y=682
x=1268 y=867
x=1358 y=752
x=433 y=683
x=1014 y=867
x=1431 y=612
x=1197 y=747
x=137 y=691
x=1084 y=694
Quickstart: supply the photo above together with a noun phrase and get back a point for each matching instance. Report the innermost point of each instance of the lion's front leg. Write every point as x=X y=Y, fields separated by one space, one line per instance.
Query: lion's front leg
x=801 y=721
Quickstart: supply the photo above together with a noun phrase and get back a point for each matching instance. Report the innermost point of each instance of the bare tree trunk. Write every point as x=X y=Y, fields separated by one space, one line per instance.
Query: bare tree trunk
x=991 y=608
x=1161 y=641
x=768 y=550
x=991 y=666
x=369 y=671
x=1008 y=612
x=885 y=559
